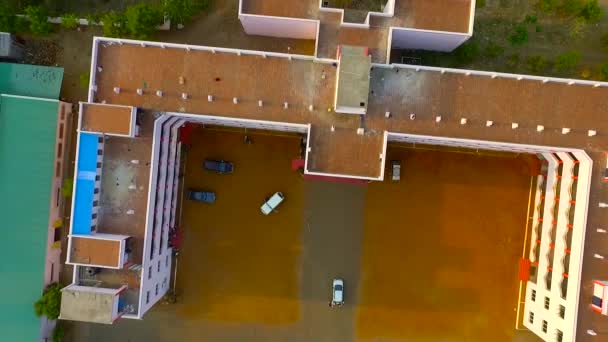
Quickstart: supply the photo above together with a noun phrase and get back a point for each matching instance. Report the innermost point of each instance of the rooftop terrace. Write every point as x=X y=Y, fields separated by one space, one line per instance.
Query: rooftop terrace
x=107 y=118
x=124 y=187
x=399 y=90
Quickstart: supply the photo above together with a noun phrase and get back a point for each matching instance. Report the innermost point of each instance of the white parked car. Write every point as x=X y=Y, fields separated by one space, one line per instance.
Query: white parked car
x=337 y=297
x=272 y=203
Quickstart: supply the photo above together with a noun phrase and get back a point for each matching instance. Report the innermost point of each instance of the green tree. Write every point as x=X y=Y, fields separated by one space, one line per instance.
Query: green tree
x=467 y=52
x=513 y=61
x=69 y=21
x=39 y=22
x=519 y=36
x=567 y=60
x=68 y=184
x=142 y=20
x=93 y=18
x=114 y=24
x=547 y=6
x=604 y=72
x=493 y=50
x=58 y=333
x=480 y=3
x=604 y=42
x=591 y=11
x=182 y=11
x=7 y=19
x=536 y=64
x=572 y=7
x=50 y=302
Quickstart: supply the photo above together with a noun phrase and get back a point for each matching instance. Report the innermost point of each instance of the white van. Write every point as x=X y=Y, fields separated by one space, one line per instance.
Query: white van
x=272 y=203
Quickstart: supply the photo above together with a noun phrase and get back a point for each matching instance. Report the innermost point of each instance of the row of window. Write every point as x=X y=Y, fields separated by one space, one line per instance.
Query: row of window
x=164 y=284
x=559 y=335
x=562 y=309
x=158 y=266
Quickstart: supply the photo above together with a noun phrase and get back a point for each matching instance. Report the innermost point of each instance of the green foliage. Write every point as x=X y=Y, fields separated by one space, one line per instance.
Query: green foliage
x=572 y=7
x=604 y=72
x=480 y=4
x=513 y=61
x=182 y=11
x=113 y=24
x=467 y=52
x=58 y=333
x=604 y=42
x=567 y=60
x=39 y=24
x=69 y=21
x=577 y=28
x=536 y=64
x=538 y=29
x=531 y=19
x=93 y=18
x=50 y=302
x=68 y=183
x=7 y=19
x=21 y=24
x=519 y=36
x=142 y=20
x=493 y=50
x=591 y=11
x=547 y=6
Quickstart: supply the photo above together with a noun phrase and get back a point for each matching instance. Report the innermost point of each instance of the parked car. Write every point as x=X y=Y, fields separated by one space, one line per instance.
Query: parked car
x=337 y=289
x=201 y=196
x=272 y=203
x=396 y=170
x=219 y=166
x=606 y=170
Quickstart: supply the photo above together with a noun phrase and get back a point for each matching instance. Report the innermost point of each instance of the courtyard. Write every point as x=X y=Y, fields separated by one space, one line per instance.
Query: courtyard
x=431 y=257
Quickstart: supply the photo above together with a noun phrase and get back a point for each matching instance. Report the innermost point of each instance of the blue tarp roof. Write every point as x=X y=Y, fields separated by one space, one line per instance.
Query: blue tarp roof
x=85 y=183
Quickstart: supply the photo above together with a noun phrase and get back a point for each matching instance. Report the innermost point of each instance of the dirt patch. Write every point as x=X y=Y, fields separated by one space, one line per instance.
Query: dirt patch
x=441 y=248
x=236 y=264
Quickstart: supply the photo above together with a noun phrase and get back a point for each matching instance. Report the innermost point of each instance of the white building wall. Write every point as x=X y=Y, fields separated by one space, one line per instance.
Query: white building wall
x=262 y=25
x=406 y=38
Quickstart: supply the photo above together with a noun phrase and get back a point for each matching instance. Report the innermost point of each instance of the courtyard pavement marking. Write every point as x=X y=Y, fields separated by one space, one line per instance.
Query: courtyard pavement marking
x=523 y=252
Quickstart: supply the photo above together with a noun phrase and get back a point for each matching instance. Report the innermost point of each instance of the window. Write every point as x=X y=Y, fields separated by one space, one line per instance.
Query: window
x=96 y=191
x=531 y=317
x=158 y=267
x=544 y=326
x=165 y=282
x=156 y=290
x=150 y=272
x=99 y=165
x=94 y=216
x=95 y=203
x=547 y=301
x=562 y=311
x=147 y=297
x=167 y=260
x=560 y=336
x=97 y=177
x=533 y=296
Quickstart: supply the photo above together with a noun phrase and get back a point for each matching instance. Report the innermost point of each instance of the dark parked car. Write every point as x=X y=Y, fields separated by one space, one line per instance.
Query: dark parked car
x=219 y=166
x=201 y=196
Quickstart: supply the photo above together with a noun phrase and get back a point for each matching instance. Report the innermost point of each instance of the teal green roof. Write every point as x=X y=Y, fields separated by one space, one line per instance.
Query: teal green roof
x=27 y=149
x=30 y=80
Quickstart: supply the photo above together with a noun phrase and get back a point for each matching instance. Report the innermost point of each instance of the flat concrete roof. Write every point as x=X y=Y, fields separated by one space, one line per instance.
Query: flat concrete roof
x=353 y=78
x=86 y=306
x=399 y=90
x=90 y=251
x=437 y=15
x=109 y=119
